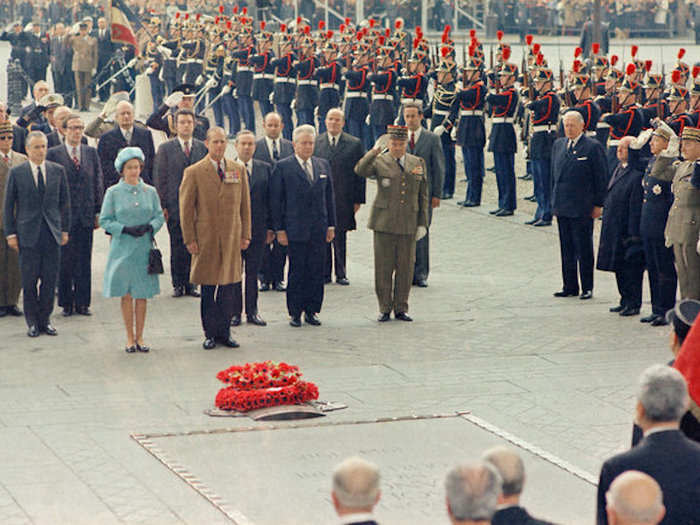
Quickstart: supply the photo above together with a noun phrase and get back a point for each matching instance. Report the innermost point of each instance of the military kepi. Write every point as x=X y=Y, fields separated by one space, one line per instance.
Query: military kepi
x=397 y=132
x=691 y=134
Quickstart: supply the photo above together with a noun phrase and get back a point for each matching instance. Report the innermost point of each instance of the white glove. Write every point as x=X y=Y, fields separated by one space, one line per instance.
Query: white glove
x=199 y=81
x=226 y=90
x=293 y=105
x=165 y=51
x=641 y=139
x=174 y=99
x=421 y=232
x=211 y=83
x=453 y=133
x=396 y=120
x=439 y=130
x=673 y=148
x=271 y=98
x=132 y=62
x=367 y=120
x=235 y=93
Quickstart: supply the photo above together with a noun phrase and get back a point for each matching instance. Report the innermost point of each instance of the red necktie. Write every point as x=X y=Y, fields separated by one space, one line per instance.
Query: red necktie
x=187 y=149
x=220 y=172
x=413 y=142
x=75 y=159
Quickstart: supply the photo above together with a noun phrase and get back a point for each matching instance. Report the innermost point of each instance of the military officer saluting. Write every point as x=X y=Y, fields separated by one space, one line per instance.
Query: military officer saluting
x=399 y=217
x=182 y=98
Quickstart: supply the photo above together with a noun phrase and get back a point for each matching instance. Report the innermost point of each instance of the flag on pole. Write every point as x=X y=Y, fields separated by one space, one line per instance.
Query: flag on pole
x=121 y=29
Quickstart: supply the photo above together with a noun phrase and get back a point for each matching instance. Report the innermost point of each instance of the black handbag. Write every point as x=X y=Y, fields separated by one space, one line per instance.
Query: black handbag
x=155 y=259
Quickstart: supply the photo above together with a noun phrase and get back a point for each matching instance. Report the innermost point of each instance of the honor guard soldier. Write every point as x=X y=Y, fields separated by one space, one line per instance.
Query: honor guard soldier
x=381 y=111
x=545 y=115
x=470 y=133
x=655 y=105
x=193 y=49
x=356 y=99
x=219 y=70
x=695 y=97
x=18 y=39
x=627 y=121
x=330 y=81
x=582 y=101
x=38 y=57
x=599 y=66
x=264 y=73
x=182 y=98
x=244 y=79
x=155 y=63
x=613 y=81
x=414 y=84
x=679 y=118
x=306 y=98
x=683 y=68
x=284 y=83
x=168 y=72
x=502 y=141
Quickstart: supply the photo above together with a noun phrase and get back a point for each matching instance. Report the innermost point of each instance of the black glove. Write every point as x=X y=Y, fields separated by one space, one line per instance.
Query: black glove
x=134 y=231
x=35 y=113
x=144 y=228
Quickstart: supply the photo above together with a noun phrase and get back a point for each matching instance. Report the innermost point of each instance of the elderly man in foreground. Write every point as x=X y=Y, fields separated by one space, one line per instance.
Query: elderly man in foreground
x=472 y=493
x=355 y=491
x=634 y=498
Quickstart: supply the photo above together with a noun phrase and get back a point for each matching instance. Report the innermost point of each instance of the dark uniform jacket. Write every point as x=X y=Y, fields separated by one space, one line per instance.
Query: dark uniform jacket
x=244 y=72
x=263 y=74
x=163 y=120
x=468 y=112
x=357 y=107
x=307 y=91
x=259 y=183
x=683 y=224
x=590 y=112
x=657 y=199
x=627 y=122
x=284 y=84
x=413 y=88
x=545 y=115
x=502 y=138
x=382 y=107
x=330 y=84
x=515 y=516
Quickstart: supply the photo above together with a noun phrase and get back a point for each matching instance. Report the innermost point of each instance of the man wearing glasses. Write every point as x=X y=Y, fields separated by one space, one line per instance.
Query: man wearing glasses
x=84 y=174
x=10 y=278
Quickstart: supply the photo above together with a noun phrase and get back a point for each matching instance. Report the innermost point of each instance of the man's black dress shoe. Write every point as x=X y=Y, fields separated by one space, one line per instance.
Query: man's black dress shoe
x=130 y=349
x=49 y=330
x=647 y=319
x=142 y=348
x=178 y=291
x=462 y=203
x=67 y=311
x=295 y=322
x=494 y=212
x=279 y=287
x=236 y=320
x=629 y=312
x=191 y=290
x=530 y=198
x=256 y=320
x=446 y=196
x=14 y=311
x=617 y=309
x=209 y=343
x=264 y=287
x=402 y=316
x=229 y=341
x=383 y=318
x=83 y=310
x=542 y=222
x=504 y=213
x=343 y=281
x=659 y=321
x=531 y=221
x=3 y=312
x=564 y=293
x=420 y=283
x=527 y=176
x=312 y=319
x=470 y=204
x=33 y=331
x=586 y=295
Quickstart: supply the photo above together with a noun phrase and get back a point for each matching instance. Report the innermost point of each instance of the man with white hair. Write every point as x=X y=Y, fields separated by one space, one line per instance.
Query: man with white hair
x=512 y=470
x=665 y=453
x=634 y=498
x=472 y=493
x=355 y=491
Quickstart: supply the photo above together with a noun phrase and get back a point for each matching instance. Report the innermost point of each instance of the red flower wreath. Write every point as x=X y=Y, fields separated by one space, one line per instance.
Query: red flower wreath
x=261 y=385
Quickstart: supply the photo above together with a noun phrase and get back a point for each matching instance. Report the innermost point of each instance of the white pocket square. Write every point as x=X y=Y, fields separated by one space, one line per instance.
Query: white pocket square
x=323 y=176
x=581 y=158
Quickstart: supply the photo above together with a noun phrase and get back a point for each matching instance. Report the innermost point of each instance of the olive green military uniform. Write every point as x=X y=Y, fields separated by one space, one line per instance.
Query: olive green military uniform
x=10 y=277
x=682 y=228
x=400 y=207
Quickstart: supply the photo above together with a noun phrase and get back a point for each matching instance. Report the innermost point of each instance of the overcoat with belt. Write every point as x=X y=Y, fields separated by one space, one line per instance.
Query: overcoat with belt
x=216 y=214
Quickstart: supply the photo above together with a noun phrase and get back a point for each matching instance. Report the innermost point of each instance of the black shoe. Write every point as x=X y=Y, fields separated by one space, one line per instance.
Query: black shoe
x=530 y=198
x=130 y=349
x=494 y=212
x=229 y=342
x=33 y=331
x=420 y=283
x=236 y=320
x=588 y=294
x=446 y=196
x=295 y=322
x=531 y=221
x=648 y=319
x=312 y=319
x=49 y=329
x=14 y=311
x=178 y=291
x=504 y=213
x=327 y=280
x=264 y=287
x=209 y=343
x=343 y=281
x=67 y=311
x=142 y=348
x=279 y=287
x=3 y=311
x=191 y=290
x=83 y=310
x=659 y=321
x=619 y=308
x=564 y=293
x=402 y=316
x=256 y=320
x=383 y=318
x=470 y=204
x=543 y=222
x=527 y=176
x=462 y=203
x=629 y=312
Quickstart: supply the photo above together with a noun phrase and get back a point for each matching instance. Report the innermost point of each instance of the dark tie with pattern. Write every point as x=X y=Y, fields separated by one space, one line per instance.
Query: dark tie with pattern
x=413 y=141
x=220 y=171
x=40 y=182
x=187 y=150
x=398 y=161
x=76 y=162
x=275 y=151
x=333 y=142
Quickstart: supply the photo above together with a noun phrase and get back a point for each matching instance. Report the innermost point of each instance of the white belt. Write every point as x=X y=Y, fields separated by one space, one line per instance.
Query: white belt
x=410 y=100
x=440 y=112
x=306 y=82
x=502 y=120
x=471 y=112
x=329 y=85
x=614 y=142
x=284 y=80
x=602 y=125
x=356 y=94
x=244 y=68
x=258 y=76
x=590 y=133
x=379 y=96
x=543 y=127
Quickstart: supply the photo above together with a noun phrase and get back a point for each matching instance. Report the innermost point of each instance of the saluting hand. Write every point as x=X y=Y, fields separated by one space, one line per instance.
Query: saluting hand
x=64 y=238
x=269 y=237
x=282 y=238
x=13 y=244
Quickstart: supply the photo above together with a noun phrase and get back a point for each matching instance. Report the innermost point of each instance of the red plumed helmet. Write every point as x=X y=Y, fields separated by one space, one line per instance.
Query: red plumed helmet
x=647 y=65
x=577 y=66
x=216 y=20
x=539 y=60
x=359 y=35
x=307 y=30
x=228 y=24
x=577 y=52
x=329 y=34
x=177 y=15
x=505 y=53
x=416 y=41
x=613 y=60
x=321 y=24
x=380 y=39
x=499 y=35
x=419 y=30
x=444 y=38
x=398 y=24
x=596 y=48
x=536 y=49
x=528 y=39
x=444 y=51
x=681 y=53
x=631 y=68
x=472 y=33
x=387 y=32
x=447 y=30
x=221 y=10
x=347 y=21
x=342 y=28
x=696 y=71
x=187 y=16
x=372 y=22
x=635 y=49
x=235 y=9
x=283 y=28
x=676 y=76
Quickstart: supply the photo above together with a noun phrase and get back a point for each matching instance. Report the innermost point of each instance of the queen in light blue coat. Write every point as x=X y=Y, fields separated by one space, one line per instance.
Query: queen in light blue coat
x=131 y=214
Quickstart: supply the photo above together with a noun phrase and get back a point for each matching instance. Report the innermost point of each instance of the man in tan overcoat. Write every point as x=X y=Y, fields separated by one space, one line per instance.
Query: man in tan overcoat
x=84 y=65
x=10 y=277
x=216 y=226
x=399 y=217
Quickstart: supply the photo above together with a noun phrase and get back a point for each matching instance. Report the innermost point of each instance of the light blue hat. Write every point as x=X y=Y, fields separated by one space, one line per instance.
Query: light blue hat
x=126 y=155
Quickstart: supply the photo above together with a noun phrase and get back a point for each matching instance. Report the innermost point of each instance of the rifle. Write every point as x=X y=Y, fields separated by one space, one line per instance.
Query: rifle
x=564 y=86
x=659 y=106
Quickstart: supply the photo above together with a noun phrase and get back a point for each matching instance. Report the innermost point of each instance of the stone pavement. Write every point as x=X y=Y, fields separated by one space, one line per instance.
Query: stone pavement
x=556 y=376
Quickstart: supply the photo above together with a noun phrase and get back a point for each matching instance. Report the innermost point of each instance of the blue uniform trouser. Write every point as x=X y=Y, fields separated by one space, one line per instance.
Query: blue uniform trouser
x=156 y=91
x=542 y=181
x=377 y=131
x=474 y=169
x=448 y=149
x=265 y=108
x=357 y=128
x=286 y=112
x=505 y=179
x=245 y=109
x=218 y=108
x=305 y=116
x=230 y=107
x=662 y=274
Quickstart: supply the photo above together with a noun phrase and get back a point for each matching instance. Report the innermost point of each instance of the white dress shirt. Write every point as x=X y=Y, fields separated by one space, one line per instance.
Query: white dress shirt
x=182 y=145
x=333 y=137
x=70 y=148
x=268 y=141
x=34 y=168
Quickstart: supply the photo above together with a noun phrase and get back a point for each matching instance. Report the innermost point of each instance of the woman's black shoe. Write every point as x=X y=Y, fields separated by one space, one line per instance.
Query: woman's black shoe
x=130 y=349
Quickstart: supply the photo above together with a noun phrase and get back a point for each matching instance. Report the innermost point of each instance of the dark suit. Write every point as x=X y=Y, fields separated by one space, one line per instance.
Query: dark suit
x=85 y=187
x=429 y=148
x=673 y=461
x=259 y=183
x=580 y=182
x=169 y=165
x=38 y=219
x=304 y=210
x=349 y=189
x=104 y=53
x=515 y=516
x=274 y=254
x=111 y=142
x=61 y=56
x=19 y=136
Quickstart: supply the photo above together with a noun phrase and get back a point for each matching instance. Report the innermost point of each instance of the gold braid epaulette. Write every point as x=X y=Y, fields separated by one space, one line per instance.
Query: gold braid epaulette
x=444 y=96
